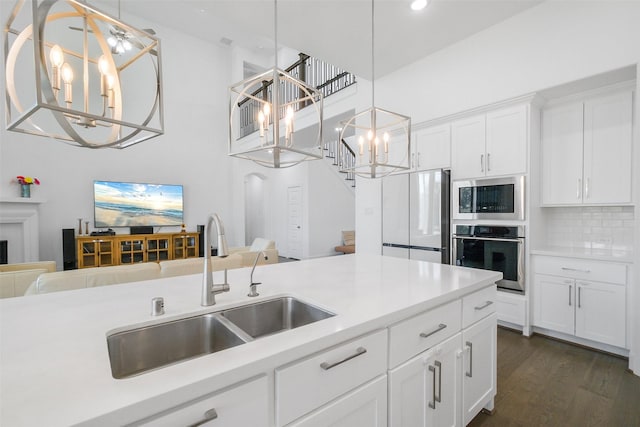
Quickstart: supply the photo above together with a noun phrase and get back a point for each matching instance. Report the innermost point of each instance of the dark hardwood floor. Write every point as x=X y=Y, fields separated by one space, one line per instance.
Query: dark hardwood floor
x=544 y=382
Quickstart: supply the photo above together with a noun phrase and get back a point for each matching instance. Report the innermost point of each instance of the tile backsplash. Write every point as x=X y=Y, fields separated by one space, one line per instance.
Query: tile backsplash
x=594 y=227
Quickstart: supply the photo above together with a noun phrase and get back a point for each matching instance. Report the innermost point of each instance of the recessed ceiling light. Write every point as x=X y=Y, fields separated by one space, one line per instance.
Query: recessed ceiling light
x=418 y=4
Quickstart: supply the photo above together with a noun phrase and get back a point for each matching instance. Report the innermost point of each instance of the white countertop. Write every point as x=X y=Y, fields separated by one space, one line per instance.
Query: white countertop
x=54 y=364
x=585 y=253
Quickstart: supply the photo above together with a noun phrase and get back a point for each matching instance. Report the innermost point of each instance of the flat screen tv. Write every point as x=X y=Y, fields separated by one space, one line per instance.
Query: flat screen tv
x=127 y=204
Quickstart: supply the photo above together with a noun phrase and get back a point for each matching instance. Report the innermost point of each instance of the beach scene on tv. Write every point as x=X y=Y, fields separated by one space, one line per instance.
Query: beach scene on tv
x=125 y=204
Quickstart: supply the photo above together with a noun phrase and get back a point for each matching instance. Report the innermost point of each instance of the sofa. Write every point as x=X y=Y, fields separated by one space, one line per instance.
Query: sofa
x=248 y=254
x=16 y=278
x=45 y=282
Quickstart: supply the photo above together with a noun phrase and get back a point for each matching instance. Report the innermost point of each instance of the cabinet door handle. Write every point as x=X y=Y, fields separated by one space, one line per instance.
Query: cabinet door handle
x=488 y=162
x=570 y=292
x=481 y=162
x=210 y=415
x=470 y=372
x=413 y=160
x=579 y=297
x=359 y=351
x=575 y=269
x=436 y=397
x=578 y=188
x=586 y=188
x=432 y=403
x=418 y=159
x=483 y=306
x=440 y=327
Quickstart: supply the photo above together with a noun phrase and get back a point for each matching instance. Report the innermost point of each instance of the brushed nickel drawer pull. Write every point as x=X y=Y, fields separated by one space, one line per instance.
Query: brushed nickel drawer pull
x=359 y=351
x=440 y=327
x=210 y=415
x=482 y=307
x=575 y=269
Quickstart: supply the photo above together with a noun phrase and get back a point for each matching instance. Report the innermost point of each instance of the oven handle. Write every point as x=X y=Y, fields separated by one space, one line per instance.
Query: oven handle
x=490 y=239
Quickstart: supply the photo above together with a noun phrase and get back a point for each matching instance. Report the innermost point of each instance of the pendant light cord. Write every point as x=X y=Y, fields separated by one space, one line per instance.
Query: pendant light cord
x=373 y=69
x=275 y=30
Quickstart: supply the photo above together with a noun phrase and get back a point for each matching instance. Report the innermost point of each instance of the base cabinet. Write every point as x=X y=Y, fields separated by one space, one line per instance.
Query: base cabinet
x=246 y=404
x=583 y=298
x=586 y=309
x=479 y=366
x=426 y=390
x=365 y=406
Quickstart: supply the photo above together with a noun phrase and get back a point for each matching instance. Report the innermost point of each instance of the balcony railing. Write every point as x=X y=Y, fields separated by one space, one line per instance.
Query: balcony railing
x=326 y=78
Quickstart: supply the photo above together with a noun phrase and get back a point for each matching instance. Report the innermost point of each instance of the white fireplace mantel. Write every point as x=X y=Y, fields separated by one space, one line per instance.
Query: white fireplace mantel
x=19 y=225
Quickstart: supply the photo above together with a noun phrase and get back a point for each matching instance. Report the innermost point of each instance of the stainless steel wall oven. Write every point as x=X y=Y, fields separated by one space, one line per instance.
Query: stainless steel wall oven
x=492 y=247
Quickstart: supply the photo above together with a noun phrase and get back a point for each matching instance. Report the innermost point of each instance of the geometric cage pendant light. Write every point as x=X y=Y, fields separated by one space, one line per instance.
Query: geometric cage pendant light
x=78 y=75
x=380 y=139
x=264 y=112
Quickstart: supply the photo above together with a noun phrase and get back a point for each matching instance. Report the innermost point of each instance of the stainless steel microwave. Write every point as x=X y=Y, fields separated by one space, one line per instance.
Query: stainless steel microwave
x=491 y=198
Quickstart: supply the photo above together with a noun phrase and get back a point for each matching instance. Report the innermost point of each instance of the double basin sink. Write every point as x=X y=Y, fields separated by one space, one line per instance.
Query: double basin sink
x=140 y=350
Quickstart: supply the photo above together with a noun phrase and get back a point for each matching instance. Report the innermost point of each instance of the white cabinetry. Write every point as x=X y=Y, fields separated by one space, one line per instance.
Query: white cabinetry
x=227 y=407
x=308 y=384
x=582 y=298
x=425 y=391
x=492 y=144
x=586 y=151
x=432 y=148
x=365 y=406
x=454 y=374
x=479 y=367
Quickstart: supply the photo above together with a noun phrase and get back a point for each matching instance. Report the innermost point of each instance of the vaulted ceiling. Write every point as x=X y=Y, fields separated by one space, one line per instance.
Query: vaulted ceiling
x=337 y=31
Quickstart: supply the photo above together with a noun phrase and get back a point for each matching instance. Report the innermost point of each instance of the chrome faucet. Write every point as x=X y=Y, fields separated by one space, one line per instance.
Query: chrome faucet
x=254 y=285
x=209 y=289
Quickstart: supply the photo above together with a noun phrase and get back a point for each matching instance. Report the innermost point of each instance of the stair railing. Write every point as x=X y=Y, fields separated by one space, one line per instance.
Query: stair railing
x=327 y=78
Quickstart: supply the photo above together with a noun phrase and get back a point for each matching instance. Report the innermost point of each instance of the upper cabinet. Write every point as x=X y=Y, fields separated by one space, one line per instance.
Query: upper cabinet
x=491 y=144
x=586 y=151
x=432 y=148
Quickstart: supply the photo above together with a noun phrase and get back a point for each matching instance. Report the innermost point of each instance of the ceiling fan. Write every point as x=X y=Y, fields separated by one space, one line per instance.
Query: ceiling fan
x=120 y=40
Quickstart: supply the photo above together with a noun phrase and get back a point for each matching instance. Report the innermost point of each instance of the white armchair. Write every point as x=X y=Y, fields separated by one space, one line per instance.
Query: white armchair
x=249 y=253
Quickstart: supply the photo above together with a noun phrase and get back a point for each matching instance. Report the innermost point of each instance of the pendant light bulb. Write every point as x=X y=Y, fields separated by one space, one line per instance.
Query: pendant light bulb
x=56 y=56
x=103 y=65
x=67 y=73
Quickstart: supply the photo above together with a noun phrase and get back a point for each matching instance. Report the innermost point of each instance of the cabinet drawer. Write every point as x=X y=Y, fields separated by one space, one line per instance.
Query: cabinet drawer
x=415 y=335
x=365 y=406
x=225 y=408
x=310 y=383
x=582 y=269
x=478 y=305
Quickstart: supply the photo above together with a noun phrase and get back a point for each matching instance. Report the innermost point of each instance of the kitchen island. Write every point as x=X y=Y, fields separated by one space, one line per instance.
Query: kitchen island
x=55 y=368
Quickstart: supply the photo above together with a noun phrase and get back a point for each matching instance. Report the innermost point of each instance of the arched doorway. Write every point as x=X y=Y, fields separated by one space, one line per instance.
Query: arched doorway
x=255 y=219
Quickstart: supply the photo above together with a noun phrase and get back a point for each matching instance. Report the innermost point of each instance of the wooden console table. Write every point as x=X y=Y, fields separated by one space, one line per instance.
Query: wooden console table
x=100 y=251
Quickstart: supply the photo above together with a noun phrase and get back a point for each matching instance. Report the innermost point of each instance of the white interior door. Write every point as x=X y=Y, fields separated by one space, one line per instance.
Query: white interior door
x=294 y=222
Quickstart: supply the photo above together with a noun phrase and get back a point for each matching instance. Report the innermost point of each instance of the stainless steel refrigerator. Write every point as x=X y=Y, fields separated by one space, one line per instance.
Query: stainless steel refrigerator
x=416 y=215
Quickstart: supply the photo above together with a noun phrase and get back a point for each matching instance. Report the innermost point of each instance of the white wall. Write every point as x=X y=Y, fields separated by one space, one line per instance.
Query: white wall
x=192 y=151
x=548 y=45
x=551 y=44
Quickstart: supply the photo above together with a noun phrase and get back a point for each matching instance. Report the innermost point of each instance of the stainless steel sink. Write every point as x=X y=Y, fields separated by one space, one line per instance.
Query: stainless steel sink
x=143 y=349
x=270 y=317
x=140 y=350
